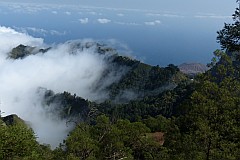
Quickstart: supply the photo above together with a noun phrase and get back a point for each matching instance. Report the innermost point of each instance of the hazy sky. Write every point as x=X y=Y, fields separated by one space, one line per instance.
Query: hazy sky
x=217 y=6
x=154 y=31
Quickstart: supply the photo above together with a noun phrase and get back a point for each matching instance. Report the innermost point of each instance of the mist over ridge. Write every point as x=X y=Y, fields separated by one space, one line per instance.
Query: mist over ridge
x=74 y=66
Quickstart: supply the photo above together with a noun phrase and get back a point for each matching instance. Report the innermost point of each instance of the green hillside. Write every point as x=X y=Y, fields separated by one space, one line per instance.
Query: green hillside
x=152 y=113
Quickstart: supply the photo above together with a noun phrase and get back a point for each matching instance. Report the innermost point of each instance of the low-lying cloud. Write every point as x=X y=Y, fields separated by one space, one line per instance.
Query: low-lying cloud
x=54 y=12
x=168 y=15
x=64 y=67
x=68 y=13
x=103 y=20
x=153 y=23
x=83 y=20
x=10 y=38
x=213 y=16
x=120 y=14
x=41 y=31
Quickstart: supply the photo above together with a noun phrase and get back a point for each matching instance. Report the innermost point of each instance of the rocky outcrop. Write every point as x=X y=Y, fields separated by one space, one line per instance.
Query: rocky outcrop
x=12 y=120
x=192 y=68
x=22 y=51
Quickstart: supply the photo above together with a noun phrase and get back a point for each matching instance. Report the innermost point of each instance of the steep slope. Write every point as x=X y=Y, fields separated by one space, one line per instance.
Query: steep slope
x=12 y=120
x=143 y=80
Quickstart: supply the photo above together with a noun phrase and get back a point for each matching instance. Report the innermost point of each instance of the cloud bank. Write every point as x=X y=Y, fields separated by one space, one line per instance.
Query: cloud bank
x=213 y=16
x=65 y=67
x=41 y=31
x=10 y=38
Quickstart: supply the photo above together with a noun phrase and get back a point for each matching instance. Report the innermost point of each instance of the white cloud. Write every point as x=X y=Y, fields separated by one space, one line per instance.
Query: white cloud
x=120 y=14
x=169 y=15
x=213 y=16
x=57 y=33
x=157 y=21
x=173 y=16
x=84 y=20
x=153 y=23
x=121 y=47
x=68 y=13
x=92 y=13
x=26 y=7
x=150 y=23
x=10 y=38
x=54 y=12
x=59 y=70
x=40 y=31
x=104 y=20
x=154 y=14
x=127 y=23
x=36 y=30
x=29 y=8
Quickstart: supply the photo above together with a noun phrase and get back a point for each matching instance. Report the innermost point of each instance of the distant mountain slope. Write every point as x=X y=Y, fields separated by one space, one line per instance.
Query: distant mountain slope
x=192 y=68
x=137 y=79
x=143 y=80
x=139 y=83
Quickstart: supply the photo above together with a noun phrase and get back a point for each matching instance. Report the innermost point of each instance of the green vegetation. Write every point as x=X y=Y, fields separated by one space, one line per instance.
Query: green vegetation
x=143 y=80
x=197 y=119
x=17 y=141
x=107 y=140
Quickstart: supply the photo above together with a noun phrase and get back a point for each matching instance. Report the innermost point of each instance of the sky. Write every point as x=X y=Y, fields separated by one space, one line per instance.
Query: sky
x=155 y=32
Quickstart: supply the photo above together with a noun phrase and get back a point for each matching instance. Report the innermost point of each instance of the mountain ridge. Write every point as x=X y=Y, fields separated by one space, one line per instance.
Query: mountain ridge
x=138 y=81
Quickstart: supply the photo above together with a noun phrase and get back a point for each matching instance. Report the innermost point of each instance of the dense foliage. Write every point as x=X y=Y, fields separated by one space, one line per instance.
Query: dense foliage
x=18 y=141
x=143 y=80
x=198 y=119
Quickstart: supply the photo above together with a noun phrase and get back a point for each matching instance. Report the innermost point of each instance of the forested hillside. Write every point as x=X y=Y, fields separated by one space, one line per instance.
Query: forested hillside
x=152 y=112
